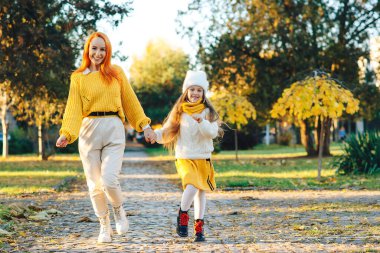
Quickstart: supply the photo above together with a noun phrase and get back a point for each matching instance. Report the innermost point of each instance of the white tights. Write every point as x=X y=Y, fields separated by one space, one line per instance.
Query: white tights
x=199 y=196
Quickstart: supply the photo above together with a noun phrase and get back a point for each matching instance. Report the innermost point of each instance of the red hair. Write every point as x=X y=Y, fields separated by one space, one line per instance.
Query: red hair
x=106 y=70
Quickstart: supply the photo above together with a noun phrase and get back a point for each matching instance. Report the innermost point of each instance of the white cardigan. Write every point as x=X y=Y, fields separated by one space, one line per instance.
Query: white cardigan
x=195 y=139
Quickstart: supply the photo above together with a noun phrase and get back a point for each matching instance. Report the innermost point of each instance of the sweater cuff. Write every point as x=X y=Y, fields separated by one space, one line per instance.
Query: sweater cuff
x=66 y=134
x=142 y=123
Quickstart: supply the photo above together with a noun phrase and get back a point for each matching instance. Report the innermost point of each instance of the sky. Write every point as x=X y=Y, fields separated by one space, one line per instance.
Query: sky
x=150 y=19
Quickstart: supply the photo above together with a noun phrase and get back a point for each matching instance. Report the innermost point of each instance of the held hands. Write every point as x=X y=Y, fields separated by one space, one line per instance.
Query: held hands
x=197 y=117
x=61 y=142
x=150 y=136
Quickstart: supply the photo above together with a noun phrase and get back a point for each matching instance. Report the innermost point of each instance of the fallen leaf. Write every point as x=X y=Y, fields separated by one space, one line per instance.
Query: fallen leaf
x=85 y=219
x=4 y=232
x=35 y=208
x=249 y=198
x=54 y=211
x=320 y=220
x=40 y=216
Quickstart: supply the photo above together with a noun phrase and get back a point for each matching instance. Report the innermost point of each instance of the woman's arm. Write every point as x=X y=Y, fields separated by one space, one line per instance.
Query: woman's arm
x=72 y=118
x=131 y=105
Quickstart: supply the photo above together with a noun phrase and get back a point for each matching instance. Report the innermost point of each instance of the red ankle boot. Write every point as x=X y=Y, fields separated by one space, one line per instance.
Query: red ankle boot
x=182 y=223
x=198 y=230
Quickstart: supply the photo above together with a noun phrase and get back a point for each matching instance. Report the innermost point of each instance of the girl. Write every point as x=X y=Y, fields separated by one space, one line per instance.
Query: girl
x=100 y=98
x=189 y=129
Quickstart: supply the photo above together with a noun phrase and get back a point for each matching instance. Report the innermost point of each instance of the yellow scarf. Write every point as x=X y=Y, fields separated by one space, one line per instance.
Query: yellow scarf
x=191 y=108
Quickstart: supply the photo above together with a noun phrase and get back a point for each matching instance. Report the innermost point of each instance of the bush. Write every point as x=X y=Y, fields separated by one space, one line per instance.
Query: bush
x=246 y=140
x=361 y=155
x=19 y=142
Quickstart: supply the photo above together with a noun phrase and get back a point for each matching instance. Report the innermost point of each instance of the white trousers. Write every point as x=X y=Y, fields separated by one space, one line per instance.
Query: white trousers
x=101 y=149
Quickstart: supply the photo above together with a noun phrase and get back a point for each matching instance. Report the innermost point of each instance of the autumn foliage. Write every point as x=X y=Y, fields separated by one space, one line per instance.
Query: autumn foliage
x=314 y=97
x=233 y=108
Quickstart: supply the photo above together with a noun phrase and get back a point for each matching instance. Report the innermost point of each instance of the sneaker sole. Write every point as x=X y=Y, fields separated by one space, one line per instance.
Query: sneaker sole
x=182 y=235
x=105 y=241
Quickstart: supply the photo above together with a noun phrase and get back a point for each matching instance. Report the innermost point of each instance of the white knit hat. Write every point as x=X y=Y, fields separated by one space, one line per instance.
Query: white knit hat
x=195 y=78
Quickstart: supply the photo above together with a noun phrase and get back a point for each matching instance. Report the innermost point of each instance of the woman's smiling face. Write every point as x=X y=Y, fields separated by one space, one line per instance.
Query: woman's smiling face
x=194 y=93
x=97 y=52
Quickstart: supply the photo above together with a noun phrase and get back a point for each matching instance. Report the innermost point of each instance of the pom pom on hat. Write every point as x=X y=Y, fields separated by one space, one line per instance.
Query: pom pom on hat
x=198 y=78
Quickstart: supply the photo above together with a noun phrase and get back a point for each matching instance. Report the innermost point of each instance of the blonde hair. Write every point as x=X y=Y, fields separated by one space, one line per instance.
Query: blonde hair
x=172 y=121
x=106 y=70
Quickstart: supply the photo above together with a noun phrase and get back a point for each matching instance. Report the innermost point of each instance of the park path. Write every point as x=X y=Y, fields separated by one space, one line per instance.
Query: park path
x=240 y=221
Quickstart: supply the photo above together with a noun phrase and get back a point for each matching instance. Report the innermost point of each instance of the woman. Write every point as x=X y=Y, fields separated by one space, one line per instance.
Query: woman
x=100 y=98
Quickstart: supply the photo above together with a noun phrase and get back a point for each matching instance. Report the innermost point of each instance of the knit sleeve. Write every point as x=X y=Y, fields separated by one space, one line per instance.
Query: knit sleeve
x=72 y=118
x=131 y=105
x=159 y=133
x=208 y=129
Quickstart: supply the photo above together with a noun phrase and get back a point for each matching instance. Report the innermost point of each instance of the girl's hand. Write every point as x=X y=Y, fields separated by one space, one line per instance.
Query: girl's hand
x=197 y=117
x=61 y=142
x=150 y=136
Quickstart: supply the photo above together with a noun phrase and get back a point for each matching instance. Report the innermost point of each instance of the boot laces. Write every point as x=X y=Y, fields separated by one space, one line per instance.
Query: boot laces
x=117 y=211
x=104 y=226
x=183 y=219
x=198 y=227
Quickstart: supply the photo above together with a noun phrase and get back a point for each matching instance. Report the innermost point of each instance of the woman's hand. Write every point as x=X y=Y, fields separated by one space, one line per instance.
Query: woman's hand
x=150 y=136
x=61 y=142
x=197 y=117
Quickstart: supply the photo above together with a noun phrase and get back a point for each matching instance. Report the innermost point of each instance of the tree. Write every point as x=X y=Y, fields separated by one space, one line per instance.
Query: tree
x=320 y=98
x=41 y=111
x=4 y=106
x=233 y=108
x=39 y=39
x=157 y=78
x=280 y=41
x=39 y=44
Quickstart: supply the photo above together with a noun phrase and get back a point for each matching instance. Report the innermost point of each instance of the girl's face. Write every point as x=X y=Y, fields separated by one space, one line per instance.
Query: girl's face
x=97 y=52
x=194 y=93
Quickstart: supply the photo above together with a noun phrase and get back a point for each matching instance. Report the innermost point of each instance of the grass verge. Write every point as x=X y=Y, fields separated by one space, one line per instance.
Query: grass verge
x=24 y=174
x=288 y=174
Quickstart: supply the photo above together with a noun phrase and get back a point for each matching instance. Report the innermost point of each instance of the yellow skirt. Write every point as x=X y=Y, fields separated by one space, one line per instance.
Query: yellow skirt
x=199 y=173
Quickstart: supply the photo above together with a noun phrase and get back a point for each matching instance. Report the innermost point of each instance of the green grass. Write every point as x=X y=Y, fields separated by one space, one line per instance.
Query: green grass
x=4 y=212
x=260 y=168
x=287 y=174
x=157 y=151
x=23 y=174
x=259 y=151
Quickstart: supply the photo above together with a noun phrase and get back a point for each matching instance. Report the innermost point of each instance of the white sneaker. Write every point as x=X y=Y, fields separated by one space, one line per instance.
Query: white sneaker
x=121 y=220
x=105 y=230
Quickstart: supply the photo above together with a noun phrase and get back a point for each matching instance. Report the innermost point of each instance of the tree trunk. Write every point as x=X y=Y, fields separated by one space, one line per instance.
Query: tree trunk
x=41 y=146
x=307 y=139
x=325 y=124
x=322 y=124
x=267 y=134
x=278 y=132
x=4 y=124
x=327 y=139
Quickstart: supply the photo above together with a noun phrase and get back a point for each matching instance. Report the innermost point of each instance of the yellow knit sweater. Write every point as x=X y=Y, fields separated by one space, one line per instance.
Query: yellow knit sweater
x=90 y=93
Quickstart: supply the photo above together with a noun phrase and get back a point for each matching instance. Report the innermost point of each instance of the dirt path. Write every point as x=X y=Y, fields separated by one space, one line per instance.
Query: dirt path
x=251 y=221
